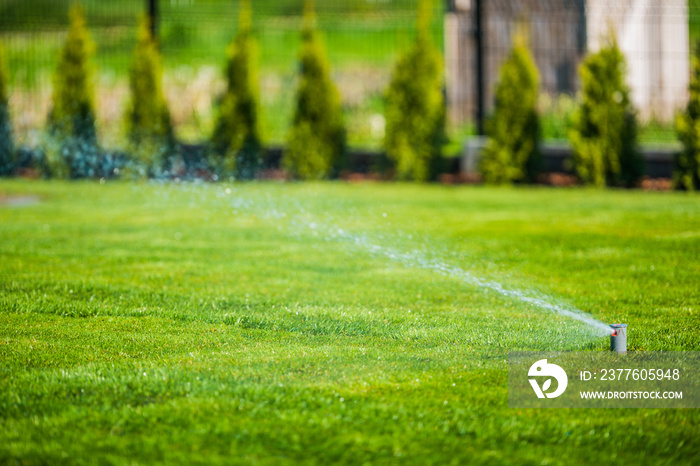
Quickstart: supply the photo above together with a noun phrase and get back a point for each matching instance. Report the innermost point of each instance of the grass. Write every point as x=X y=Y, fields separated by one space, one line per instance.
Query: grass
x=148 y=323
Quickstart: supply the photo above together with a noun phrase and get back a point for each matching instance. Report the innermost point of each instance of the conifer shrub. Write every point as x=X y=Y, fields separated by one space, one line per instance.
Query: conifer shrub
x=71 y=148
x=687 y=164
x=316 y=143
x=149 y=131
x=604 y=133
x=236 y=140
x=415 y=107
x=7 y=149
x=512 y=151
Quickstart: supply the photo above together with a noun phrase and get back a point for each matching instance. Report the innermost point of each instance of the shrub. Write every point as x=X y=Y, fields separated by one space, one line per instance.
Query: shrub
x=72 y=145
x=236 y=140
x=687 y=172
x=150 y=134
x=604 y=133
x=7 y=149
x=316 y=143
x=415 y=107
x=512 y=151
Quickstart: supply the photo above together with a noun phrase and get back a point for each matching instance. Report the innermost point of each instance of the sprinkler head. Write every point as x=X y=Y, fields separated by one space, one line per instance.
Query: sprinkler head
x=618 y=338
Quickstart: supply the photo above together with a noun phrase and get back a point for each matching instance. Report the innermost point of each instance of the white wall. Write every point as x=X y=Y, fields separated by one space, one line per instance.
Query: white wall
x=653 y=35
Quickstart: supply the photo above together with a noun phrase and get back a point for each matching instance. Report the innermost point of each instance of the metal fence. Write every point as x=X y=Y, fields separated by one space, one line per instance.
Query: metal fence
x=652 y=34
x=363 y=39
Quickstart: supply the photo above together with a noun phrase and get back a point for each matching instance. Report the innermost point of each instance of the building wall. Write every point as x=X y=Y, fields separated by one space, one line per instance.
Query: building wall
x=653 y=35
x=460 y=66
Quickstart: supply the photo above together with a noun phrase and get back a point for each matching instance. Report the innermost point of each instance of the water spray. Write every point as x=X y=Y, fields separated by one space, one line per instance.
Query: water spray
x=297 y=221
x=618 y=338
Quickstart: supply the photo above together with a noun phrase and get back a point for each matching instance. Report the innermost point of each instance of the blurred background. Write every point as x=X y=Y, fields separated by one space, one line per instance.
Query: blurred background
x=363 y=40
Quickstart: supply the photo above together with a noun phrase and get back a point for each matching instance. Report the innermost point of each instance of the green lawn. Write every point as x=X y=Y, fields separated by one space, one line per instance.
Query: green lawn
x=277 y=323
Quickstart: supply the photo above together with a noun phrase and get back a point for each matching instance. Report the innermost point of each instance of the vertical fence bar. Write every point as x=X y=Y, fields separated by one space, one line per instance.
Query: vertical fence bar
x=153 y=16
x=479 y=41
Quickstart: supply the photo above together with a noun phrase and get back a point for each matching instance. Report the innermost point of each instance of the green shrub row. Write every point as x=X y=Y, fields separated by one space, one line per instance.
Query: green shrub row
x=316 y=141
x=603 y=133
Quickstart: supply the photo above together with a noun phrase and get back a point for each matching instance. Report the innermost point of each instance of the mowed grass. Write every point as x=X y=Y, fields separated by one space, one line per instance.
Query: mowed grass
x=283 y=323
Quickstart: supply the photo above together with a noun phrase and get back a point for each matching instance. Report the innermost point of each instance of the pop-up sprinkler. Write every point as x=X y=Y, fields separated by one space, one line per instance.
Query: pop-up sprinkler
x=618 y=339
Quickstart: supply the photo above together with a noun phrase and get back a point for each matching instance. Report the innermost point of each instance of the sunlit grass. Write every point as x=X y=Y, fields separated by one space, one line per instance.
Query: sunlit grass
x=274 y=323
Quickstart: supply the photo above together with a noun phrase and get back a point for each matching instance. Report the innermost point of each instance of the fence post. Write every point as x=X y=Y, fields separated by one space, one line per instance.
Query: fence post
x=153 y=16
x=479 y=41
